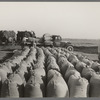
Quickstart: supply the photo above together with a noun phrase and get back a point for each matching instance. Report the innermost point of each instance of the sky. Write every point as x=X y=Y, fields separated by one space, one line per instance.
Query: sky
x=68 y=19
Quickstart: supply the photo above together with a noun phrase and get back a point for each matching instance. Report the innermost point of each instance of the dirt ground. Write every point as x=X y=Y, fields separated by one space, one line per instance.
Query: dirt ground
x=7 y=51
x=90 y=52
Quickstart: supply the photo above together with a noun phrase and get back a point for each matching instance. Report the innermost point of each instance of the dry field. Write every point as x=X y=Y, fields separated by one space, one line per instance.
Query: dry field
x=87 y=47
x=83 y=42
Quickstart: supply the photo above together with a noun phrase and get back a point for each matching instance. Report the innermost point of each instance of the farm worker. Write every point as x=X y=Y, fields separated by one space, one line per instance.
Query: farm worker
x=34 y=42
x=99 y=50
x=24 y=39
x=10 y=39
x=23 y=42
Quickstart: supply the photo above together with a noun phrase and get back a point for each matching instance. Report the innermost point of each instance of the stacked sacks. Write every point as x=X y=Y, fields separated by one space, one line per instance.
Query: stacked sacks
x=57 y=87
x=40 y=55
x=32 y=54
x=71 y=71
x=22 y=70
x=73 y=59
x=25 y=51
x=64 y=64
x=87 y=61
x=78 y=86
x=54 y=52
x=40 y=72
x=84 y=59
x=3 y=75
x=10 y=65
x=51 y=73
x=31 y=58
x=95 y=66
x=40 y=61
x=5 y=68
x=29 y=68
x=87 y=72
x=46 y=52
x=67 y=54
x=12 y=87
x=51 y=63
x=9 y=89
x=38 y=65
x=20 y=84
x=35 y=87
x=80 y=56
x=95 y=86
x=79 y=66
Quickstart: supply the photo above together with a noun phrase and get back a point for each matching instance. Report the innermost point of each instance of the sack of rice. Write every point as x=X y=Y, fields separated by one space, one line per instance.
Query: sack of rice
x=78 y=86
x=35 y=87
x=33 y=90
x=9 y=89
x=95 y=66
x=57 y=87
x=87 y=73
x=79 y=66
x=95 y=86
x=51 y=73
x=71 y=71
x=20 y=84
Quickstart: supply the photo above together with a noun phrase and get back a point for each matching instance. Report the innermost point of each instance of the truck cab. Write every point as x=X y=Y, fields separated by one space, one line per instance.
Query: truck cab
x=56 y=40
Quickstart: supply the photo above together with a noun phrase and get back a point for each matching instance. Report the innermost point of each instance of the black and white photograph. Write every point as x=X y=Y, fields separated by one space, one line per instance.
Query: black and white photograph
x=49 y=49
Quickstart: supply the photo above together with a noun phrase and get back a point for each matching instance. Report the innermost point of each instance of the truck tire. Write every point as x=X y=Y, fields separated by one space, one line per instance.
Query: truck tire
x=70 y=48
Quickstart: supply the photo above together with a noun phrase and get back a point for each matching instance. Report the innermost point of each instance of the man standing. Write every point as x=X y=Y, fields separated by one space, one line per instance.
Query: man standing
x=34 y=42
x=23 y=42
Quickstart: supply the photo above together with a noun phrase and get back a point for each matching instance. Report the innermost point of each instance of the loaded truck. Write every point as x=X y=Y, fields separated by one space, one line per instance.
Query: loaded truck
x=45 y=40
x=7 y=37
x=56 y=41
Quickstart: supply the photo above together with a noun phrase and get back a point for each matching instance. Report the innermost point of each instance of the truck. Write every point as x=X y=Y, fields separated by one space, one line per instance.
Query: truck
x=57 y=41
x=47 y=40
x=7 y=37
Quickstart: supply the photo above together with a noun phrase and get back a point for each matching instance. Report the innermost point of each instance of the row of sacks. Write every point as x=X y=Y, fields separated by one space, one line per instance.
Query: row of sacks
x=35 y=86
x=83 y=69
x=67 y=75
x=85 y=72
x=29 y=63
x=7 y=68
x=10 y=64
x=24 y=81
x=56 y=85
x=89 y=70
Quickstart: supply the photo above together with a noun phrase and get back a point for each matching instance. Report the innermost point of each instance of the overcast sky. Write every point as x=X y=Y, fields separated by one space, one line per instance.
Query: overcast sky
x=69 y=19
